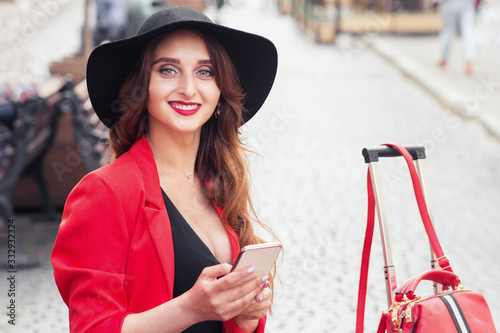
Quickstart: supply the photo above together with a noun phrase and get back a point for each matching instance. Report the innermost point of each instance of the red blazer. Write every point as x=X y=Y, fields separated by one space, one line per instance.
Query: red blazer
x=114 y=254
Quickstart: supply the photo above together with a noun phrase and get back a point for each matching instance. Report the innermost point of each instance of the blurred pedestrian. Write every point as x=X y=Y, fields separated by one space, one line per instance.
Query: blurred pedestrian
x=111 y=20
x=146 y=242
x=458 y=15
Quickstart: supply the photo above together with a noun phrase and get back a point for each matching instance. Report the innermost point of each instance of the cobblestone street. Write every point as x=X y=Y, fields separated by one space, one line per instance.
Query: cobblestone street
x=309 y=182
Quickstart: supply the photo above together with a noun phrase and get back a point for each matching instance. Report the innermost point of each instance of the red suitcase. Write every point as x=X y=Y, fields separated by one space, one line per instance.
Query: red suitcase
x=451 y=308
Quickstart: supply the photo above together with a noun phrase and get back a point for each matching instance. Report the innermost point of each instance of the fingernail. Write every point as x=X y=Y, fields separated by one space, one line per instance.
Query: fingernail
x=262 y=285
x=265 y=278
x=260 y=299
x=250 y=270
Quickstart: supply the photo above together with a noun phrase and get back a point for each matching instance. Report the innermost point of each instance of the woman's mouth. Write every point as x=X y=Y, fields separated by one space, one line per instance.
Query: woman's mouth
x=185 y=109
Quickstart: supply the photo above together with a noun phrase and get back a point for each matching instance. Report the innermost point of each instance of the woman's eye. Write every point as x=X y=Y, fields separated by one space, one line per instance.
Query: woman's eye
x=167 y=71
x=206 y=73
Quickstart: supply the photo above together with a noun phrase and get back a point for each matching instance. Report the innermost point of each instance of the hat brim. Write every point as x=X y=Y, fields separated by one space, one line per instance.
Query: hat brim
x=255 y=59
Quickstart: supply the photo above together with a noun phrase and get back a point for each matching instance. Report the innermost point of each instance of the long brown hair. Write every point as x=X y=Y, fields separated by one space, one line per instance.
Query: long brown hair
x=221 y=159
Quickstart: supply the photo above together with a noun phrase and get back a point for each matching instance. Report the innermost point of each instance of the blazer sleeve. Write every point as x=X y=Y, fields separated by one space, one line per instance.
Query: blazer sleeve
x=89 y=257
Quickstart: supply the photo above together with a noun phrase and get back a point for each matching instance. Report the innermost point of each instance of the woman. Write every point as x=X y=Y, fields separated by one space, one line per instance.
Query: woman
x=146 y=242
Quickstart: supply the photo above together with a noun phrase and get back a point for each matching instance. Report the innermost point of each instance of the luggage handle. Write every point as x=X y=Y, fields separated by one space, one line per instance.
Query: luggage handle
x=372 y=154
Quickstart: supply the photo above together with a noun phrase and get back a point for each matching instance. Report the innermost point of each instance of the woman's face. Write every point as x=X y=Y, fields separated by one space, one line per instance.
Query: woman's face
x=183 y=93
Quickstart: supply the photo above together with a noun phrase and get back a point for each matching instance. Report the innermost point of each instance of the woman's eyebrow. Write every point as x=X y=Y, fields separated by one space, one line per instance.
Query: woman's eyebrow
x=167 y=59
x=205 y=62
x=177 y=61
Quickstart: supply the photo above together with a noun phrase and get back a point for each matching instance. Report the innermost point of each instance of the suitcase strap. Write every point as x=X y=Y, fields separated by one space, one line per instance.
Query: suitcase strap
x=442 y=260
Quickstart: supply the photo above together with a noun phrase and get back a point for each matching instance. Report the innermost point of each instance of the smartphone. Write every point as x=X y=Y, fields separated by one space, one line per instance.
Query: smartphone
x=261 y=256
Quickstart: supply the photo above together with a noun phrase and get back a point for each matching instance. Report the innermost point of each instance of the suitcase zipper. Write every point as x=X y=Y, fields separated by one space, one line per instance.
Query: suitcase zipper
x=402 y=311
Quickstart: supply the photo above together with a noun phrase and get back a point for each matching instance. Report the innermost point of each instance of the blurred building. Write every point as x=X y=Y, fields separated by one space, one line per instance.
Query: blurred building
x=322 y=20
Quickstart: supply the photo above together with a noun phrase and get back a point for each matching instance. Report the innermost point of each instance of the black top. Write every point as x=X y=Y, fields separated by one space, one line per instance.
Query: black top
x=191 y=256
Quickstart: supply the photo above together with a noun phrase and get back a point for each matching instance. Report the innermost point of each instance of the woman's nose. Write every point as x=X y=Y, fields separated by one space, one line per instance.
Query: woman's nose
x=187 y=86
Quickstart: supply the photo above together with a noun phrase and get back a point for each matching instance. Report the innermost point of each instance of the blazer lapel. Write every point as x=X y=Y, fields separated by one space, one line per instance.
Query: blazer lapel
x=155 y=213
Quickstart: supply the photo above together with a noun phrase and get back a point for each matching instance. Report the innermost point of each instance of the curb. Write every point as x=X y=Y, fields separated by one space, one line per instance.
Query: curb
x=449 y=98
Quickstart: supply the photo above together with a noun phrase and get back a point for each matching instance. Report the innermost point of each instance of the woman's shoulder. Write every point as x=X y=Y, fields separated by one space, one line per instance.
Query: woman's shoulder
x=132 y=177
x=121 y=174
x=112 y=194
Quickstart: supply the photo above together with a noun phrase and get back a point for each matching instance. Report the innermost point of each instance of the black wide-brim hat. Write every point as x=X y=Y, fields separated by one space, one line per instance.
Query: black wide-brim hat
x=255 y=59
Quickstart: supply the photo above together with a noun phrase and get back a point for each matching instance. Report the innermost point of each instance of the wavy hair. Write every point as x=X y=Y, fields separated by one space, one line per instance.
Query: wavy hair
x=221 y=158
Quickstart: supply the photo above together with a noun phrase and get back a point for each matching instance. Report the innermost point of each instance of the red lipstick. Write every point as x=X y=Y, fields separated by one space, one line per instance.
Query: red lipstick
x=183 y=108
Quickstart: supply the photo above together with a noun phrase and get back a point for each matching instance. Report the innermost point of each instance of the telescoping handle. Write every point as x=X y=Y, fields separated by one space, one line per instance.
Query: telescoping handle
x=412 y=155
x=372 y=155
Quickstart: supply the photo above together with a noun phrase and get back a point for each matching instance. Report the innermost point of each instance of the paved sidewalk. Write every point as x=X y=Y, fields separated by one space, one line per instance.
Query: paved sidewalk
x=474 y=97
x=38 y=305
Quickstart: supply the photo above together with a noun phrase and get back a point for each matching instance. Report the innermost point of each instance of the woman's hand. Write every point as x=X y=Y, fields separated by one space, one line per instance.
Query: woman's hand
x=260 y=305
x=222 y=299
x=211 y=298
x=248 y=320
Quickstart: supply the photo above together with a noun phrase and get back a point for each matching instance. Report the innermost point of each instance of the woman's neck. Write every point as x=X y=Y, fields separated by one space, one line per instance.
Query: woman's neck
x=175 y=156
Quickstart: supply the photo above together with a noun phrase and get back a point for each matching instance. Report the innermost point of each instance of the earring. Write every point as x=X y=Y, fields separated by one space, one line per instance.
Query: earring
x=217 y=111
